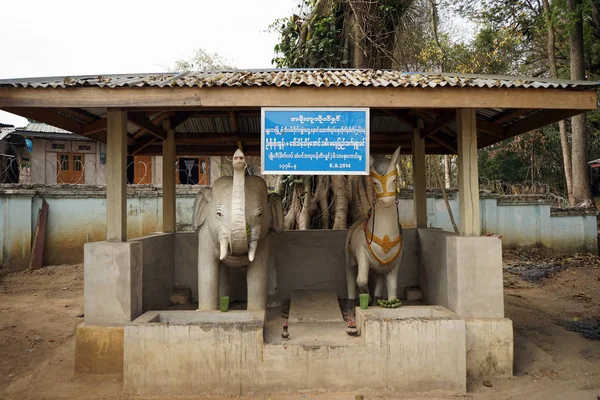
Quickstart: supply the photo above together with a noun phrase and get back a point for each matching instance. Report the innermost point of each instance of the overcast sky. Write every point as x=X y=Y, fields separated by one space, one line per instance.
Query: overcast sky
x=67 y=37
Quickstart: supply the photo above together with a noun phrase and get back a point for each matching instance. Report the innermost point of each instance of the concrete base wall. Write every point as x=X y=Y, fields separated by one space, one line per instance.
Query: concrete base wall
x=99 y=349
x=489 y=348
x=304 y=260
x=206 y=352
x=203 y=352
x=462 y=273
x=112 y=291
x=158 y=276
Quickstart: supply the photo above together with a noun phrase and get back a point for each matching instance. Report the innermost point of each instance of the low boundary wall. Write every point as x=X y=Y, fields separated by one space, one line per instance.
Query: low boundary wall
x=77 y=215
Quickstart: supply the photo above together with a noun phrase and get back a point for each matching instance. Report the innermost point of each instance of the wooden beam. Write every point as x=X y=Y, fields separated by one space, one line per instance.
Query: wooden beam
x=116 y=177
x=96 y=126
x=537 y=120
x=489 y=127
x=156 y=120
x=144 y=123
x=299 y=96
x=49 y=117
x=168 y=154
x=509 y=115
x=444 y=143
x=79 y=114
x=468 y=176
x=141 y=144
x=419 y=181
x=438 y=124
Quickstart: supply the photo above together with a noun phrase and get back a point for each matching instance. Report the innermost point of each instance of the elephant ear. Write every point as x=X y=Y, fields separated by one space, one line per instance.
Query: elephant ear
x=201 y=207
x=276 y=212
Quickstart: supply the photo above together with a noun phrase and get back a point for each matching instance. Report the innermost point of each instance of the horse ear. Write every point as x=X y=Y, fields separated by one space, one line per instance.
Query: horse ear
x=394 y=160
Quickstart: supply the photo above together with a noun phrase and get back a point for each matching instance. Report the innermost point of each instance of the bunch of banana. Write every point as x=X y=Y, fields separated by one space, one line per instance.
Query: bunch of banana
x=389 y=303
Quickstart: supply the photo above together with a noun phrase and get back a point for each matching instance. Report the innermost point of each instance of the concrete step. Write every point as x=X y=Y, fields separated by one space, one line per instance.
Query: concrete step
x=181 y=296
x=314 y=306
x=414 y=294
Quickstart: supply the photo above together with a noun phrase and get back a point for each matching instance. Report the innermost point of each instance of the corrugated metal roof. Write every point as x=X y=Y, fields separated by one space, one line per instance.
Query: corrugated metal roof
x=45 y=131
x=41 y=127
x=295 y=77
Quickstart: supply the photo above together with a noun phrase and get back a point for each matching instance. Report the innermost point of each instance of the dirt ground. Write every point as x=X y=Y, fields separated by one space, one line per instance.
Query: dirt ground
x=553 y=302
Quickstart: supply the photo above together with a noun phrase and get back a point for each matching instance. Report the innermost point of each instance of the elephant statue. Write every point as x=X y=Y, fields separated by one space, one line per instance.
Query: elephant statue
x=233 y=221
x=375 y=243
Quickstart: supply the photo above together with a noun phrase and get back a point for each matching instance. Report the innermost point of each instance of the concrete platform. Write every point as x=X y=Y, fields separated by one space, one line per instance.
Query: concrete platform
x=314 y=306
x=409 y=349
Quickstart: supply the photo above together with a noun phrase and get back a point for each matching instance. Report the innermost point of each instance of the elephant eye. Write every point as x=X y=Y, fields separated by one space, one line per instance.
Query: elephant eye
x=219 y=213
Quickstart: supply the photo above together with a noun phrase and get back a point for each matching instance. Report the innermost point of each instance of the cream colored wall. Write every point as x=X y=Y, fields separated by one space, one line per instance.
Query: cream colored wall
x=38 y=161
x=90 y=172
x=157 y=170
x=51 y=168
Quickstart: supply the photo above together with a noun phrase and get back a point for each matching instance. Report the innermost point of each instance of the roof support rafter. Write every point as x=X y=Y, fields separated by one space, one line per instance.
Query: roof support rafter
x=444 y=143
x=79 y=114
x=144 y=122
x=538 y=120
x=508 y=115
x=49 y=117
x=489 y=127
x=438 y=124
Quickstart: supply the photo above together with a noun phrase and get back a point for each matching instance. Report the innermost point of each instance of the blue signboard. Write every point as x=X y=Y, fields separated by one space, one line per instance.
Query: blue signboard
x=310 y=141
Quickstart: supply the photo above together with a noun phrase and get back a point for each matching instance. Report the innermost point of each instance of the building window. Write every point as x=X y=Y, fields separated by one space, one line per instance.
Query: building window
x=193 y=171
x=70 y=168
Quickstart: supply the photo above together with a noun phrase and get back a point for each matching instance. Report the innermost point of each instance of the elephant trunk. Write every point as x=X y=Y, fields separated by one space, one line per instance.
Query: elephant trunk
x=239 y=237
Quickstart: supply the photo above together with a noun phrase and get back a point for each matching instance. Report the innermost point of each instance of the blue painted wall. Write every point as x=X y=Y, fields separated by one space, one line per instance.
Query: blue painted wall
x=77 y=216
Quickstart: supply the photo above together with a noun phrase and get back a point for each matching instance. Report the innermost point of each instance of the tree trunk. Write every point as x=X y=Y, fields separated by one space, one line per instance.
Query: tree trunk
x=447 y=181
x=304 y=215
x=581 y=181
x=340 y=201
x=322 y=199
x=562 y=125
x=434 y=31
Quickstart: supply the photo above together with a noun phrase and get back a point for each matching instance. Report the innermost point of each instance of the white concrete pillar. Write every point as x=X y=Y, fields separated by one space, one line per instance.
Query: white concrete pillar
x=116 y=176
x=419 y=181
x=168 y=165
x=468 y=175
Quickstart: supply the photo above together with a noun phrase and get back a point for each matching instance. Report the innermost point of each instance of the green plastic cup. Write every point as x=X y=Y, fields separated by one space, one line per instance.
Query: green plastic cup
x=364 y=300
x=224 y=303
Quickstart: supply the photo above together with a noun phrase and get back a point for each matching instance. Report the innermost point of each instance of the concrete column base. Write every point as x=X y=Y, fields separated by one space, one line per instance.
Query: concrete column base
x=99 y=349
x=489 y=348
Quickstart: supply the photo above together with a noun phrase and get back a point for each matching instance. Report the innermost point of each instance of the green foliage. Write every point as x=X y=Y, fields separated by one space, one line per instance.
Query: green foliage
x=201 y=60
x=534 y=157
x=321 y=49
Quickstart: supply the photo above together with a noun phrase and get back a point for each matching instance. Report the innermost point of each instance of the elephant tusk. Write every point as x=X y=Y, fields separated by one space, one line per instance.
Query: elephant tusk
x=223 y=244
x=252 y=250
